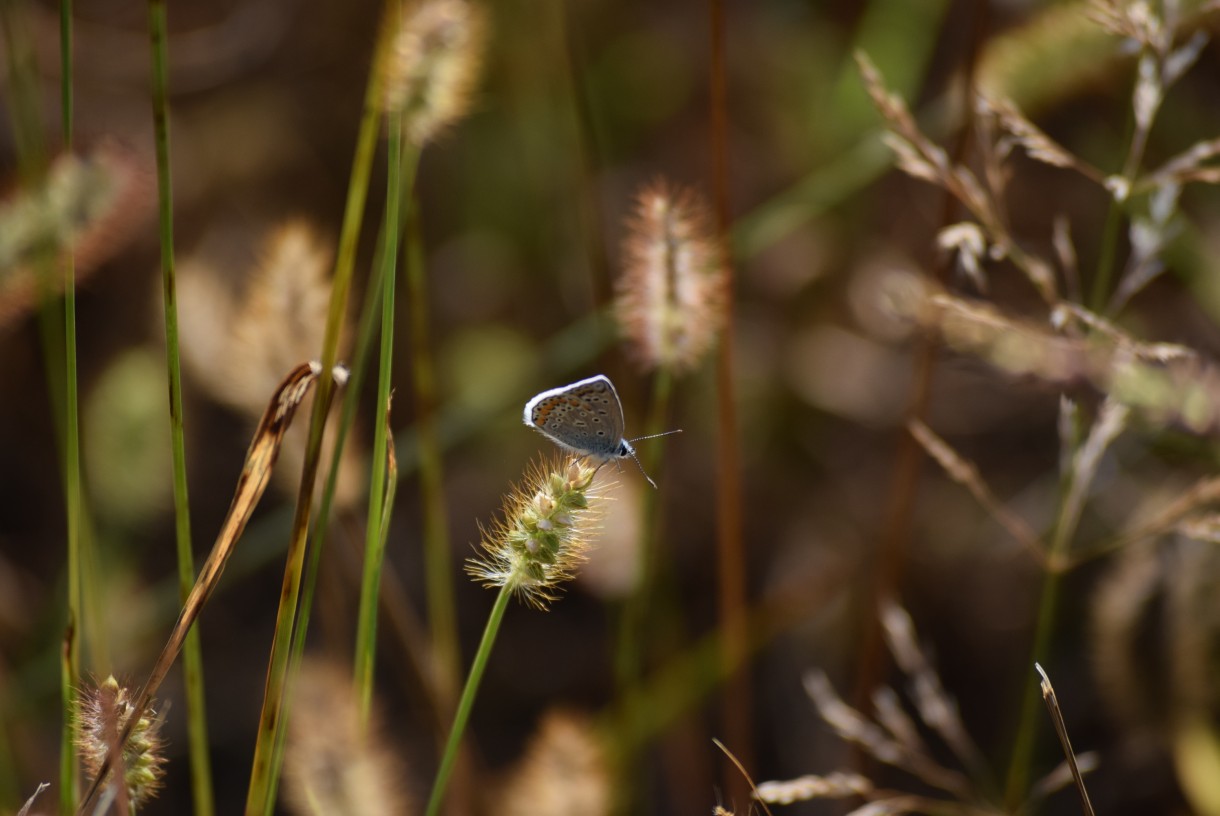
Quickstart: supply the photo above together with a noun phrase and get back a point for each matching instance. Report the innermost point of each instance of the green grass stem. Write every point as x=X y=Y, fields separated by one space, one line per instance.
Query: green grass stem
x=638 y=617
x=374 y=552
x=24 y=115
x=466 y=702
x=442 y=615
x=69 y=767
x=260 y=799
x=192 y=650
x=632 y=647
x=21 y=96
x=368 y=323
x=1016 y=788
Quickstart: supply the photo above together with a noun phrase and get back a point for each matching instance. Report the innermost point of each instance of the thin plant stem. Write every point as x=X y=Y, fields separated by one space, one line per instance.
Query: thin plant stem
x=65 y=72
x=637 y=620
x=692 y=673
x=442 y=616
x=259 y=797
x=1066 y=523
x=730 y=557
x=10 y=785
x=374 y=548
x=1108 y=252
x=367 y=326
x=632 y=646
x=908 y=461
x=69 y=775
x=192 y=651
x=22 y=103
x=69 y=768
x=1102 y=281
x=1028 y=726
x=21 y=96
x=466 y=702
x=369 y=314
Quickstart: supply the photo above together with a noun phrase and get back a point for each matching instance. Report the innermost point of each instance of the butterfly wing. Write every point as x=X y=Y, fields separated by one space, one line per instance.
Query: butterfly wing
x=585 y=417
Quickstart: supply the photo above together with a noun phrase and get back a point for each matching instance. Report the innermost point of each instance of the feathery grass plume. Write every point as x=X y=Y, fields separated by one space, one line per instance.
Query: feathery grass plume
x=671 y=295
x=1165 y=384
x=936 y=708
x=981 y=194
x=331 y=763
x=1036 y=143
x=433 y=65
x=102 y=713
x=249 y=340
x=894 y=739
x=966 y=473
x=543 y=534
x=1151 y=28
x=238 y=345
x=564 y=771
x=832 y=786
x=88 y=206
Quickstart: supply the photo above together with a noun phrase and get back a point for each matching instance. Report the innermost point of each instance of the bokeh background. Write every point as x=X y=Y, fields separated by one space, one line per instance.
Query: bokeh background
x=522 y=206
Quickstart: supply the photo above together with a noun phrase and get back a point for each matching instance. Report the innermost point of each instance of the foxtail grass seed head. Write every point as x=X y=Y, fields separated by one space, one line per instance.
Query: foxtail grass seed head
x=565 y=770
x=87 y=207
x=433 y=65
x=333 y=764
x=543 y=534
x=237 y=344
x=671 y=296
x=102 y=712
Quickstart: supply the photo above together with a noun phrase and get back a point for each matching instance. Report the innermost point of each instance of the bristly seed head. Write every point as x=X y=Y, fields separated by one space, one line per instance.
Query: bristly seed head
x=433 y=65
x=671 y=296
x=542 y=535
x=102 y=712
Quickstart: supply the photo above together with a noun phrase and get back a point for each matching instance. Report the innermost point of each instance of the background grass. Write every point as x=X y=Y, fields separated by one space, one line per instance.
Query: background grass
x=520 y=211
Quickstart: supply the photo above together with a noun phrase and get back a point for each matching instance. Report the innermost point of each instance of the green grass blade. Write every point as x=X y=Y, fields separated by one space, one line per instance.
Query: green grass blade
x=259 y=798
x=192 y=657
x=466 y=703
x=442 y=615
x=374 y=553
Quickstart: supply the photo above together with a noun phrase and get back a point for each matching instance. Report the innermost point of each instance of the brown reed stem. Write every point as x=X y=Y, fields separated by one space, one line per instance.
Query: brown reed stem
x=909 y=457
x=730 y=560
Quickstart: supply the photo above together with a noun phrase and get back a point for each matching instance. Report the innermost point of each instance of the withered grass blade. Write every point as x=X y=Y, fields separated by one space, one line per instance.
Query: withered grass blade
x=25 y=809
x=391 y=467
x=1052 y=706
x=745 y=774
x=264 y=448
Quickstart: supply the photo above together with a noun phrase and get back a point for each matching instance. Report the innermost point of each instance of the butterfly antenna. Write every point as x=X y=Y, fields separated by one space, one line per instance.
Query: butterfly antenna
x=641 y=466
x=637 y=459
x=654 y=436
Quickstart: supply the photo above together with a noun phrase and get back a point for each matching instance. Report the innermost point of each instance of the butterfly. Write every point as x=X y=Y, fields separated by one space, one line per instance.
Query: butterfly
x=585 y=417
